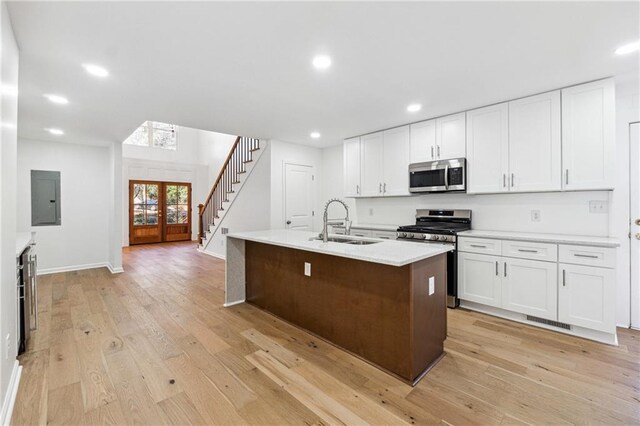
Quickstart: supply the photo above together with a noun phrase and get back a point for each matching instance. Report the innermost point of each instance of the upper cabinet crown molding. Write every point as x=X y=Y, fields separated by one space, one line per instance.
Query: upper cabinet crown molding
x=588 y=136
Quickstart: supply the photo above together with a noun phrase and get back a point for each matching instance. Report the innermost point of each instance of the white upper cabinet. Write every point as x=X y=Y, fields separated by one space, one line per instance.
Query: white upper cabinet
x=396 y=161
x=534 y=143
x=423 y=141
x=371 y=172
x=488 y=149
x=351 y=153
x=588 y=136
x=450 y=136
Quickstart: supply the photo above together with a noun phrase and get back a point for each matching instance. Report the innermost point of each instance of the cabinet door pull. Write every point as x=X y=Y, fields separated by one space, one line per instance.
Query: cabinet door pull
x=590 y=256
x=384 y=188
x=477 y=246
x=564 y=278
x=358 y=189
x=566 y=177
x=512 y=179
x=505 y=269
x=504 y=180
x=432 y=157
x=380 y=188
x=527 y=251
x=438 y=151
x=497 y=273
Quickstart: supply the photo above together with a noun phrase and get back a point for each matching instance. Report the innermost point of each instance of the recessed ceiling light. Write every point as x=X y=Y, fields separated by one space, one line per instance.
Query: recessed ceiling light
x=414 y=107
x=628 y=48
x=322 y=62
x=56 y=132
x=57 y=99
x=96 y=70
x=315 y=135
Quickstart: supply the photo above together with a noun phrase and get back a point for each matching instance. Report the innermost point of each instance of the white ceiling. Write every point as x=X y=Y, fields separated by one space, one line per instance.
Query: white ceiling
x=245 y=68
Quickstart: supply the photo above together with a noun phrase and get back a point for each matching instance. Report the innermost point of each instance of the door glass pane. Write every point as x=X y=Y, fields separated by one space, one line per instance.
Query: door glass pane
x=172 y=215
x=138 y=193
x=138 y=214
x=183 y=214
x=152 y=194
x=172 y=196
x=183 y=195
x=152 y=214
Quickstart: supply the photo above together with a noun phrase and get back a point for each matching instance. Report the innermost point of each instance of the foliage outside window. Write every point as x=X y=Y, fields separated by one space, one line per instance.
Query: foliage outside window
x=177 y=204
x=155 y=135
x=145 y=204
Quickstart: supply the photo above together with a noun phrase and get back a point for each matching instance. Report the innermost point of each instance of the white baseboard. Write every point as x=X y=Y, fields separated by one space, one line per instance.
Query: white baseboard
x=12 y=392
x=237 y=302
x=216 y=255
x=46 y=271
x=115 y=270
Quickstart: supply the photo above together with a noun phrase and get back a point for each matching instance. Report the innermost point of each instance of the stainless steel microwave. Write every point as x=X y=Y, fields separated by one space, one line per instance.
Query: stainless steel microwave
x=438 y=176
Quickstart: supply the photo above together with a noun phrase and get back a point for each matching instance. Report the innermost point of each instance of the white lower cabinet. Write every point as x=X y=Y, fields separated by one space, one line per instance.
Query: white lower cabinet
x=530 y=287
x=479 y=278
x=586 y=297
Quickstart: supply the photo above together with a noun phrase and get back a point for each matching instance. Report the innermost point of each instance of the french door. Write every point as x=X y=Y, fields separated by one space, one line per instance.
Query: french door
x=159 y=211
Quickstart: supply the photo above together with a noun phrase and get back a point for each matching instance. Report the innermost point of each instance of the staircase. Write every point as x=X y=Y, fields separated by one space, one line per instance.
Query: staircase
x=229 y=179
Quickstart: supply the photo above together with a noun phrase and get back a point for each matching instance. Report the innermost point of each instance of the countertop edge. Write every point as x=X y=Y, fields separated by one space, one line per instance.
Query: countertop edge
x=350 y=256
x=543 y=238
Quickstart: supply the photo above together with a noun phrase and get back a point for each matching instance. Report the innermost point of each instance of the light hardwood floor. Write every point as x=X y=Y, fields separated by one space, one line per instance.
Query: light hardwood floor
x=155 y=346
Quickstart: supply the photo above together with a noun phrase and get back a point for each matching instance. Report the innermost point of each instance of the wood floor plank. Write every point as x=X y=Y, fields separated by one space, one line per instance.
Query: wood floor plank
x=65 y=405
x=97 y=389
x=31 y=400
x=180 y=410
x=64 y=366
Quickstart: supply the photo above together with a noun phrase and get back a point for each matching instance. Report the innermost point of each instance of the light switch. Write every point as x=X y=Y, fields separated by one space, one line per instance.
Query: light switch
x=307 y=269
x=432 y=285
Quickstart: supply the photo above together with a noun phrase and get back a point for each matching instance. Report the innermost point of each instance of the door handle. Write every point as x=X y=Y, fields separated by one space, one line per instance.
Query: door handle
x=638 y=222
x=288 y=222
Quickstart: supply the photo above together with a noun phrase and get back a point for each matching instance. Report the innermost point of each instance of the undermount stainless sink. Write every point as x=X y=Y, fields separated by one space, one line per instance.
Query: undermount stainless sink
x=347 y=241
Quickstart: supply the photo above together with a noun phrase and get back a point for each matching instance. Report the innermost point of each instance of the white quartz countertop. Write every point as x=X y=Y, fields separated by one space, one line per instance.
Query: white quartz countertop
x=543 y=238
x=387 y=252
x=22 y=241
x=372 y=226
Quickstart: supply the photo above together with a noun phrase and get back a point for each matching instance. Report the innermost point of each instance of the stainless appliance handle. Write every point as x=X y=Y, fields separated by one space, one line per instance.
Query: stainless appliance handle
x=34 y=292
x=446 y=176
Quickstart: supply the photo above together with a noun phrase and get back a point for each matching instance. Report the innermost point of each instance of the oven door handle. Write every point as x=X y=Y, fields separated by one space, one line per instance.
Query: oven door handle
x=446 y=176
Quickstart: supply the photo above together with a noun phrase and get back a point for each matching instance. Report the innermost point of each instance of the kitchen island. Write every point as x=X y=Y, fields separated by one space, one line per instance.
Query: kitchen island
x=383 y=301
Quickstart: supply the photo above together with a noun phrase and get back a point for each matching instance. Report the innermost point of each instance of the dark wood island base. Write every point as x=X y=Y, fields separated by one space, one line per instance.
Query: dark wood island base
x=380 y=313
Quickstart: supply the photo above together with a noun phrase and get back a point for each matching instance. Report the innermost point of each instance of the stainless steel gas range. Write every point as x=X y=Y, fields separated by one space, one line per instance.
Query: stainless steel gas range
x=440 y=226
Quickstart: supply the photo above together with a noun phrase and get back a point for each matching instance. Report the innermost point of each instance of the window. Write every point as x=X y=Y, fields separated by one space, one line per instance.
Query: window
x=45 y=198
x=145 y=204
x=177 y=204
x=154 y=134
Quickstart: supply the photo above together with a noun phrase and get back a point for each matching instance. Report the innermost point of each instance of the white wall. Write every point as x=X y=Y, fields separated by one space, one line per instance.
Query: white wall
x=198 y=157
x=281 y=154
x=250 y=210
x=627 y=111
x=9 y=120
x=83 y=239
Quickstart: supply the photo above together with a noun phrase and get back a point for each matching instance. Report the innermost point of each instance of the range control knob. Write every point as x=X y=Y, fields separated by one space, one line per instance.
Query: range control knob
x=442 y=238
x=402 y=234
x=433 y=237
x=421 y=236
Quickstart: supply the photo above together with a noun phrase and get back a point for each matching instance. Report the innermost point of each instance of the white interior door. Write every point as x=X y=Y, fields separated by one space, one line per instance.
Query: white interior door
x=298 y=197
x=634 y=139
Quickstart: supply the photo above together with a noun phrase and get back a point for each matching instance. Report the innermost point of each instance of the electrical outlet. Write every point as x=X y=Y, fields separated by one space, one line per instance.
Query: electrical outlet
x=370 y=211
x=307 y=269
x=536 y=216
x=598 y=207
x=432 y=285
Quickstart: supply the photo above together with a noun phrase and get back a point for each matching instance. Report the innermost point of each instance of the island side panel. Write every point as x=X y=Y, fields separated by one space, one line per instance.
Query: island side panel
x=235 y=275
x=363 y=307
x=429 y=312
